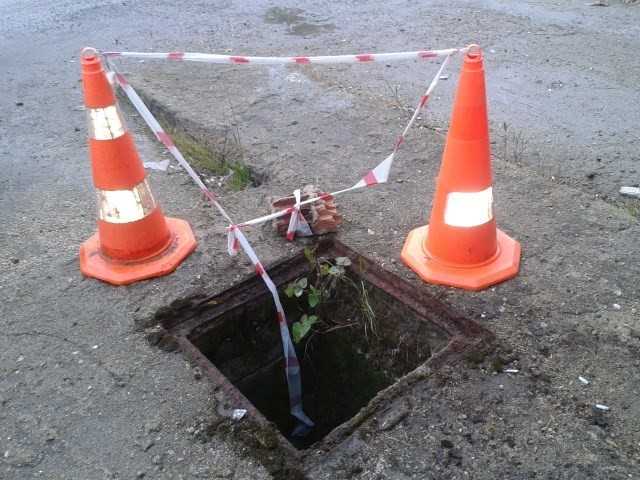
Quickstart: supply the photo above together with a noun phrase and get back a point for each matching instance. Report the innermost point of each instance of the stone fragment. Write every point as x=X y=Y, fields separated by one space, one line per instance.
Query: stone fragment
x=393 y=416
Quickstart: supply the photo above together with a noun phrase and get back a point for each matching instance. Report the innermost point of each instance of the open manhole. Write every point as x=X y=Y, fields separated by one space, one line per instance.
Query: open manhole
x=372 y=329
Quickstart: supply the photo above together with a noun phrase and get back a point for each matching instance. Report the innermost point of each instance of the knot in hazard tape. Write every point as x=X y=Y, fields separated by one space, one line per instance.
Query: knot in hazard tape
x=233 y=244
x=297 y=222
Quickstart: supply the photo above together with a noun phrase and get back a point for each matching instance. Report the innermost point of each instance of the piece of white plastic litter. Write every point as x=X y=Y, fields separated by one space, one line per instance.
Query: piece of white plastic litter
x=238 y=413
x=630 y=191
x=162 y=166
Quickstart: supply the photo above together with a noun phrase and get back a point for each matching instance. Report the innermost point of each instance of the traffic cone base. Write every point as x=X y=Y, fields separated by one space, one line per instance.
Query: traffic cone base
x=94 y=263
x=502 y=266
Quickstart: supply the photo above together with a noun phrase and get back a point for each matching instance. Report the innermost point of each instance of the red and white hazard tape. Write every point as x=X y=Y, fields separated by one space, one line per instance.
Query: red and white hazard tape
x=163 y=137
x=380 y=174
x=292 y=366
x=300 y=60
x=297 y=223
x=236 y=240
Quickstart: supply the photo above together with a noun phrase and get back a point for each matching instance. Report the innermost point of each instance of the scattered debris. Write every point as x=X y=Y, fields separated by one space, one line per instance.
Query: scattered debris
x=630 y=191
x=511 y=370
x=584 y=380
x=238 y=413
x=616 y=306
x=322 y=216
x=599 y=417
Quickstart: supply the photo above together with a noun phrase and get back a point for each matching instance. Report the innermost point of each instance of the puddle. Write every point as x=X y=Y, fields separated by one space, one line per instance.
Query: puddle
x=296 y=21
x=350 y=362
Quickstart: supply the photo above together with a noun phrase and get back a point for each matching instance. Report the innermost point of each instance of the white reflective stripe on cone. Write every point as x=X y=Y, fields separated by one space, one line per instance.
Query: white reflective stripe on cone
x=105 y=123
x=469 y=209
x=124 y=206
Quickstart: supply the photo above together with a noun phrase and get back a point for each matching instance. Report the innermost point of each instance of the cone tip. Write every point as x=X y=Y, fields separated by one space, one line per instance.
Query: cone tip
x=90 y=59
x=474 y=53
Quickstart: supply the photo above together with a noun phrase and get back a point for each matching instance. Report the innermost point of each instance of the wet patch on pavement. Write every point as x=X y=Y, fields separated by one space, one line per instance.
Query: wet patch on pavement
x=296 y=21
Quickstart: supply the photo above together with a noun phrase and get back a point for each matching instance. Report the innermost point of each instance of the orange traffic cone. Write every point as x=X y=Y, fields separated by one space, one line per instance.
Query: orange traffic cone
x=461 y=246
x=135 y=241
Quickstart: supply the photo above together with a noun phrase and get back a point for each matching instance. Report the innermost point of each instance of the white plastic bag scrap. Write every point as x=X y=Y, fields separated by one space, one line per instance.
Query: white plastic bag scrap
x=162 y=166
x=630 y=192
x=238 y=413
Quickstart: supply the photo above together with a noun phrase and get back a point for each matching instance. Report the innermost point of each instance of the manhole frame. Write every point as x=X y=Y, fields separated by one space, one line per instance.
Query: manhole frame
x=189 y=317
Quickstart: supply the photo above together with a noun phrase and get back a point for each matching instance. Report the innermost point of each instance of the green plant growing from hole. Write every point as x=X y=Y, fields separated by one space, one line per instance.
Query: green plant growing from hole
x=315 y=296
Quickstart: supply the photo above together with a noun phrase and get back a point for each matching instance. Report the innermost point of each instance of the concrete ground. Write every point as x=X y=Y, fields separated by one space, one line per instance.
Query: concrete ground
x=82 y=393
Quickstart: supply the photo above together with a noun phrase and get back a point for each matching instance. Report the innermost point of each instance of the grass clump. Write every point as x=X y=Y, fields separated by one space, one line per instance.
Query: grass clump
x=241 y=177
x=223 y=161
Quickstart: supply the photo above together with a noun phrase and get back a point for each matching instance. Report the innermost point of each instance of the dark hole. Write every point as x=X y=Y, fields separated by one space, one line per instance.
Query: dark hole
x=344 y=363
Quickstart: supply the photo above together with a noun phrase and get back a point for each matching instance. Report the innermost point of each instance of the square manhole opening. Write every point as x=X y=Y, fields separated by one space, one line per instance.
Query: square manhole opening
x=371 y=328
